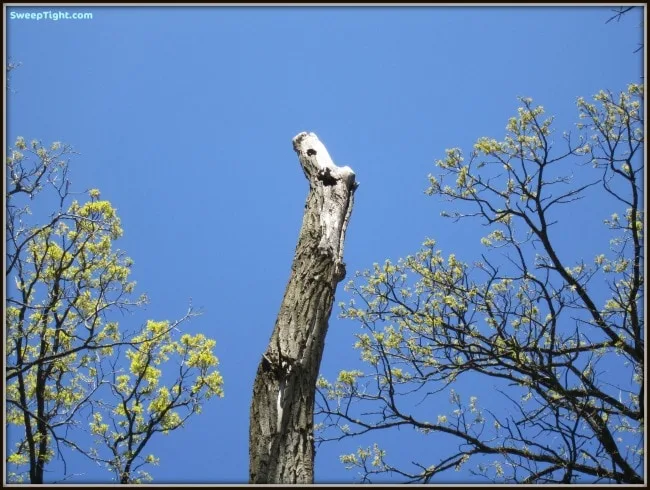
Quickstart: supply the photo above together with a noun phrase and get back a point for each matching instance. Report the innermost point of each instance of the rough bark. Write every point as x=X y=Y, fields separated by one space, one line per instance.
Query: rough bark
x=281 y=417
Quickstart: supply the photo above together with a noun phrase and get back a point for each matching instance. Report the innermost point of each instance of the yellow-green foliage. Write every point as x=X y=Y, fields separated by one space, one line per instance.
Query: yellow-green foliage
x=61 y=347
x=532 y=319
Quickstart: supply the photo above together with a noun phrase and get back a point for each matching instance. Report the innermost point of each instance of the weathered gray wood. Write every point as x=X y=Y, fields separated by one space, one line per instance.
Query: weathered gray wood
x=281 y=417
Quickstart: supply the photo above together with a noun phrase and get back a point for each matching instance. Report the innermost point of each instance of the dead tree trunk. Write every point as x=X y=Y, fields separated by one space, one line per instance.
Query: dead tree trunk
x=281 y=418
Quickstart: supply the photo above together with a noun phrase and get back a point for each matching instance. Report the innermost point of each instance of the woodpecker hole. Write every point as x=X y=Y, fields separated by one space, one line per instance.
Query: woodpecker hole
x=325 y=176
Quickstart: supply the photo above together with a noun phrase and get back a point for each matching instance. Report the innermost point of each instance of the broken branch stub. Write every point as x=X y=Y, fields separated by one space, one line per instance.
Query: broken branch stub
x=281 y=419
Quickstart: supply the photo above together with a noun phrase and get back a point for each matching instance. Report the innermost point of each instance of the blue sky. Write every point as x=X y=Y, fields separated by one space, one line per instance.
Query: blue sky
x=183 y=118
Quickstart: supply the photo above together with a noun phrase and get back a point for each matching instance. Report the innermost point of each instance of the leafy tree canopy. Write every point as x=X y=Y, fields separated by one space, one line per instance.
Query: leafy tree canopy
x=76 y=380
x=559 y=336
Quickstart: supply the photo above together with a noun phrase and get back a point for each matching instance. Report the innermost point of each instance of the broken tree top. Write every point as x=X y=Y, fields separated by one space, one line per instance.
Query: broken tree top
x=317 y=163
